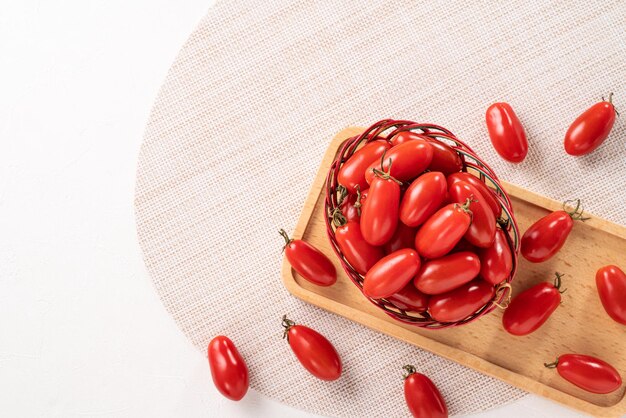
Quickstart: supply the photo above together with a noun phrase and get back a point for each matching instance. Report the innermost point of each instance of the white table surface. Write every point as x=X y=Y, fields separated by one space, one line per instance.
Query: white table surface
x=82 y=333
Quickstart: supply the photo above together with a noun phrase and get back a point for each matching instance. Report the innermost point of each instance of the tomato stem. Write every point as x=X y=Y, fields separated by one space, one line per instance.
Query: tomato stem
x=287 y=324
x=343 y=193
x=577 y=213
x=408 y=371
x=338 y=218
x=287 y=239
x=465 y=206
x=553 y=364
x=385 y=175
x=357 y=204
x=507 y=301
x=557 y=282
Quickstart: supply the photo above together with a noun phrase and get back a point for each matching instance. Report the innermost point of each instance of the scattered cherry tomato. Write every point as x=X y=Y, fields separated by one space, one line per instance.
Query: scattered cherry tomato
x=361 y=255
x=379 y=217
x=228 y=369
x=405 y=136
x=404 y=237
x=447 y=273
x=423 y=197
x=409 y=299
x=496 y=262
x=443 y=230
x=531 y=309
x=506 y=132
x=352 y=172
x=461 y=302
x=445 y=159
x=482 y=231
x=407 y=161
x=313 y=350
x=590 y=129
x=587 y=372
x=309 y=262
x=611 y=284
x=391 y=273
x=422 y=396
x=485 y=191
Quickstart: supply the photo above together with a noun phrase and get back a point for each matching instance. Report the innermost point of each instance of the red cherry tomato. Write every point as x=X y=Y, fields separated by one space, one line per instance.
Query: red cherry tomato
x=228 y=369
x=379 y=217
x=391 y=274
x=588 y=373
x=506 y=132
x=611 y=284
x=447 y=273
x=422 y=396
x=404 y=237
x=350 y=205
x=408 y=161
x=409 y=299
x=496 y=262
x=590 y=129
x=531 y=309
x=309 y=262
x=443 y=230
x=461 y=302
x=486 y=192
x=405 y=136
x=313 y=351
x=482 y=231
x=361 y=255
x=352 y=172
x=445 y=159
x=423 y=197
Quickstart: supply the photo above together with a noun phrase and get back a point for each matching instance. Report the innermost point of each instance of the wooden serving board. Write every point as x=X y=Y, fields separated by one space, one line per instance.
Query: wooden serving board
x=579 y=325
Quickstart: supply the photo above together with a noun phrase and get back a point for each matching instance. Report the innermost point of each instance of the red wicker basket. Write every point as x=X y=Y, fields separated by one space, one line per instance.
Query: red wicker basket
x=472 y=164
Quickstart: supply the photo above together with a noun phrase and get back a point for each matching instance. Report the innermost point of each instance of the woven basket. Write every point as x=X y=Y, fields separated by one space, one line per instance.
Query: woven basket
x=472 y=164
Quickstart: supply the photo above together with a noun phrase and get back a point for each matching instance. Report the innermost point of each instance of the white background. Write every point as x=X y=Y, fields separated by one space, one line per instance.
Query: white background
x=82 y=333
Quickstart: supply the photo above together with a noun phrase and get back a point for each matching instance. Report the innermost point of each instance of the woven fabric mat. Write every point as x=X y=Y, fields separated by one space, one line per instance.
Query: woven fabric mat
x=250 y=105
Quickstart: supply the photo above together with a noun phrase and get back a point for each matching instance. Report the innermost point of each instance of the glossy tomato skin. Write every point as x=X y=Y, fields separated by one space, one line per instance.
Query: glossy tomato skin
x=442 y=231
x=379 y=215
x=445 y=159
x=482 y=231
x=496 y=262
x=461 y=302
x=611 y=284
x=423 y=197
x=546 y=236
x=404 y=237
x=423 y=398
x=506 y=132
x=391 y=273
x=589 y=373
x=409 y=299
x=361 y=255
x=405 y=136
x=408 y=160
x=352 y=172
x=447 y=273
x=485 y=191
x=531 y=309
x=349 y=209
x=590 y=129
x=314 y=352
x=228 y=369
x=310 y=263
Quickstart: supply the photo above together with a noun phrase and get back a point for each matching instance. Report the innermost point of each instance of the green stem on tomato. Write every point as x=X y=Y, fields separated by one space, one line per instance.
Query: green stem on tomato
x=408 y=370
x=553 y=364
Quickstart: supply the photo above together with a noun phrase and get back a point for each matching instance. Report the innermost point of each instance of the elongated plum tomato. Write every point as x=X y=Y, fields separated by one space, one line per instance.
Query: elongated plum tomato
x=531 y=309
x=313 y=351
x=447 y=273
x=445 y=159
x=587 y=372
x=391 y=273
x=352 y=172
x=361 y=255
x=405 y=136
x=486 y=192
x=409 y=299
x=228 y=369
x=408 y=161
x=611 y=284
x=379 y=216
x=309 y=262
x=461 y=302
x=422 y=396
x=423 y=197
x=482 y=231
x=404 y=237
x=506 y=132
x=496 y=262
x=590 y=129
x=443 y=230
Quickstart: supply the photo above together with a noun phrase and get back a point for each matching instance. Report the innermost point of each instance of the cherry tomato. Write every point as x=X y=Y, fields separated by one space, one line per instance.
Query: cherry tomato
x=361 y=255
x=590 y=129
x=422 y=396
x=379 y=216
x=228 y=369
x=496 y=262
x=485 y=191
x=506 y=132
x=350 y=205
x=309 y=262
x=611 y=284
x=407 y=160
x=447 y=273
x=587 y=372
x=482 y=231
x=423 y=197
x=409 y=299
x=445 y=159
x=352 y=172
x=404 y=237
x=531 y=309
x=391 y=273
x=442 y=231
x=461 y=302
x=313 y=350
x=405 y=136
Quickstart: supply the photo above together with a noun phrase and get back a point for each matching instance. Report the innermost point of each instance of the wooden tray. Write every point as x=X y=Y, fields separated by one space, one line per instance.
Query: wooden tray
x=580 y=325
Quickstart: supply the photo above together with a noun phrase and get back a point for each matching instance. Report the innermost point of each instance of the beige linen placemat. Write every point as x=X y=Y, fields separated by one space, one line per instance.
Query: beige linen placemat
x=250 y=105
